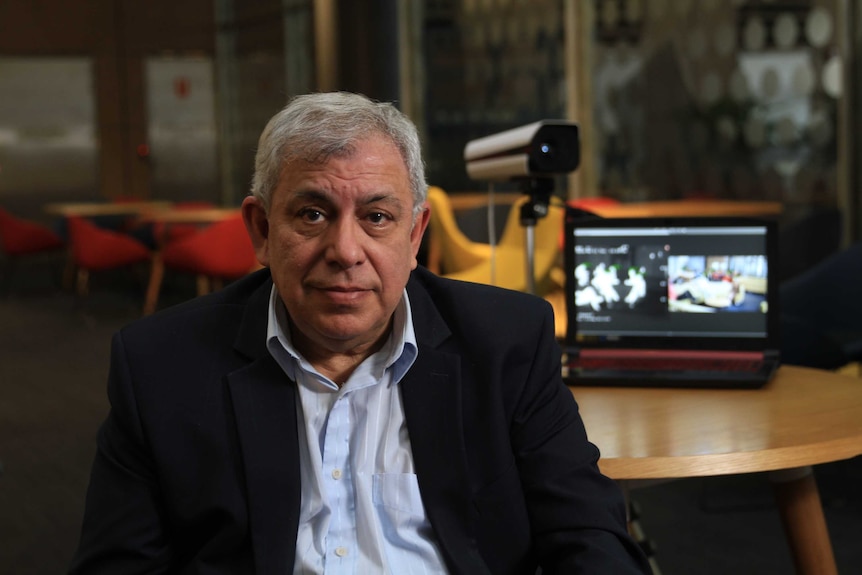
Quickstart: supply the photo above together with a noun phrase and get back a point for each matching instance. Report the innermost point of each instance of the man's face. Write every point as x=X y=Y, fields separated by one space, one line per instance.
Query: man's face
x=340 y=240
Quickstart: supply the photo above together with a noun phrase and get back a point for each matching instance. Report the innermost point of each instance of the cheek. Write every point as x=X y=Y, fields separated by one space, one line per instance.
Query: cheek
x=288 y=253
x=397 y=262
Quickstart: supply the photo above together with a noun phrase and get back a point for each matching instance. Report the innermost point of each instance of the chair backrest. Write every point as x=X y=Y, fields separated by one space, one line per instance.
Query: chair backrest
x=457 y=251
x=222 y=249
x=508 y=269
x=19 y=236
x=95 y=248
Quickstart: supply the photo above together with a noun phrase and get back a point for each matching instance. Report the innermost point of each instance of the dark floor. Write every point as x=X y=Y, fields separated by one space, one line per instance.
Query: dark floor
x=53 y=365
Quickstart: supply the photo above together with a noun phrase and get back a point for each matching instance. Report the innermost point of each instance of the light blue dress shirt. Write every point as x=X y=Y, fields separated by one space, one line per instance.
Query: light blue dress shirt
x=361 y=511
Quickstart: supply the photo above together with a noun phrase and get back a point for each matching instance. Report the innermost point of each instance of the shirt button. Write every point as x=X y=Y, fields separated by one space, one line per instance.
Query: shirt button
x=336 y=474
x=341 y=551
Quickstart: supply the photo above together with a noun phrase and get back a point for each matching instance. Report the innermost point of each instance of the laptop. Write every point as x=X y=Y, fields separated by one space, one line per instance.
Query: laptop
x=670 y=302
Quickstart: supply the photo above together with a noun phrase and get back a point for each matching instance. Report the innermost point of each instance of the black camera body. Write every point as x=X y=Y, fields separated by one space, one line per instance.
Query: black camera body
x=538 y=150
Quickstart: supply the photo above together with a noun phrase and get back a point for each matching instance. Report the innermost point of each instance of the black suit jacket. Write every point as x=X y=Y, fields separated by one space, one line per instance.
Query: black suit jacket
x=196 y=469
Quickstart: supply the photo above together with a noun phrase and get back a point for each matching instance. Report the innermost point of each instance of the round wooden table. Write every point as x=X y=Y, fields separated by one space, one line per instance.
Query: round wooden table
x=90 y=209
x=801 y=418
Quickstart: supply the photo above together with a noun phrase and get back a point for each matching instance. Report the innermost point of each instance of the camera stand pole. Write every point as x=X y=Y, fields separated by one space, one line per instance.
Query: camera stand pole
x=535 y=208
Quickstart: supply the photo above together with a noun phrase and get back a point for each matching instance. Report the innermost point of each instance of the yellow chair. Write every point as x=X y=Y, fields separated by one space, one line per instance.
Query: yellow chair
x=449 y=250
x=509 y=266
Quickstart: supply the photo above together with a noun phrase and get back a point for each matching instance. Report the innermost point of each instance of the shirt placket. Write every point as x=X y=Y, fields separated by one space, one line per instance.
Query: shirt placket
x=341 y=542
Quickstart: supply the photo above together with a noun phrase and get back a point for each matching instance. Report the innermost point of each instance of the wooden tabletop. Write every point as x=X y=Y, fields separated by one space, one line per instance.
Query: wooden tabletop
x=86 y=209
x=803 y=417
x=687 y=208
x=190 y=215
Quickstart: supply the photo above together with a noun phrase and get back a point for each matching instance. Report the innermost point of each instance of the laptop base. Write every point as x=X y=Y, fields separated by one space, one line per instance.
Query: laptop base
x=674 y=379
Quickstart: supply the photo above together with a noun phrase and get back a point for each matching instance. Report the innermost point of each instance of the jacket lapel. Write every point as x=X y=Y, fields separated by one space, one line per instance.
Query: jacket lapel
x=264 y=404
x=431 y=393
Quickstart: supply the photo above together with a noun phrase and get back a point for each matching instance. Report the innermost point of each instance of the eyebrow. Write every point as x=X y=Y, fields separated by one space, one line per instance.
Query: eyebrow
x=313 y=195
x=326 y=197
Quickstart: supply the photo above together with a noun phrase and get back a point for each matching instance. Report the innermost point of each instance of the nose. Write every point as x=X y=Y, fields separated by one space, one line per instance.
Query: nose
x=345 y=243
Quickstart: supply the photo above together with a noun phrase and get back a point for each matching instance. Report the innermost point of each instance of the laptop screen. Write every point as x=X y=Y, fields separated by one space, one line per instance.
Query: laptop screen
x=670 y=283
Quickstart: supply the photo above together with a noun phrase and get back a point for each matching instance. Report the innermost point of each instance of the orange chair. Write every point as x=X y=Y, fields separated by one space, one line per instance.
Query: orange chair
x=97 y=249
x=20 y=237
x=221 y=251
x=507 y=268
x=449 y=249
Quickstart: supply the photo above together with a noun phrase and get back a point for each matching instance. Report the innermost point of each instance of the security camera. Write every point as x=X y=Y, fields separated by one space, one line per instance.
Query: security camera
x=540 y=149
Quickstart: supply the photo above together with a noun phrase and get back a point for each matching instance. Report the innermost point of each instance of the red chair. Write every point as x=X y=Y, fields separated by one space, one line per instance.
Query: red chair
x=20 y=237
x=221 y=251
x=97 y=249
x=161 y=234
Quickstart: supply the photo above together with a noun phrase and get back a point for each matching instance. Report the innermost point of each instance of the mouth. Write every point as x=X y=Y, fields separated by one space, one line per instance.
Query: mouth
x=342 y=294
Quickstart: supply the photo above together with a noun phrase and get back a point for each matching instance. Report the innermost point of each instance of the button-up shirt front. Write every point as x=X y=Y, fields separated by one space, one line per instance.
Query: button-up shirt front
x=361 y=511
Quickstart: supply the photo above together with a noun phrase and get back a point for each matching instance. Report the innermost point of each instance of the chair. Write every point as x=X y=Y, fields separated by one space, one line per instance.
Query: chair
x=806 y=236
x=98 y=249
x=508 y=265
x=158 y=233
x=821 y=312
x=449 y=249
x=221 y=251
x=21 y=237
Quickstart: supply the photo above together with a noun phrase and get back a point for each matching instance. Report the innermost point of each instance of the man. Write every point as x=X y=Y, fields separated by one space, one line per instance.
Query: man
x=343 y=411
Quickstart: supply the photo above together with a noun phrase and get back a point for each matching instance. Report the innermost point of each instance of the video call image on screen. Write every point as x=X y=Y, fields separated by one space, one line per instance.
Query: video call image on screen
x=708 y=284
x=667 y=280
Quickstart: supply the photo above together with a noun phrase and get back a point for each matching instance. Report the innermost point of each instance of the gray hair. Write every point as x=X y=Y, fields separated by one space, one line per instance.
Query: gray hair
x=316 y=127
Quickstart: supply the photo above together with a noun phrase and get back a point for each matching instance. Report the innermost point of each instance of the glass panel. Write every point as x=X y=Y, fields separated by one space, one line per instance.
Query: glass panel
x=264 y=57
x=181 y=128
x=717 y=99
x=48 y=146
x=489 y=66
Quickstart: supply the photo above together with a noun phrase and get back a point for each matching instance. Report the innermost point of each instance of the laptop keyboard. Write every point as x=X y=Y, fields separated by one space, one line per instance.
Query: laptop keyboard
x=667 y=364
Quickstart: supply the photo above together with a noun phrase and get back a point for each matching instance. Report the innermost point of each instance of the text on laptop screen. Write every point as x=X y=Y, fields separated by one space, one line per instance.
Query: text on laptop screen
x=653 y=281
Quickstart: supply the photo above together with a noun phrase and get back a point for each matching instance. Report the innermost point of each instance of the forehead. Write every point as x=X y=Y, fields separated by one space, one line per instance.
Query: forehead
x=374 y=160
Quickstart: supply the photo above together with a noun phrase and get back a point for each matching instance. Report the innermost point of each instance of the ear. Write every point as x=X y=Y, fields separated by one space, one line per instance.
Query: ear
x=257 y=225
x=420 y=222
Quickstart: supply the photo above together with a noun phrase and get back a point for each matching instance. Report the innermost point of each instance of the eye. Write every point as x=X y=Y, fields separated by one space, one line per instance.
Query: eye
x=378 y=218
x=311 y=215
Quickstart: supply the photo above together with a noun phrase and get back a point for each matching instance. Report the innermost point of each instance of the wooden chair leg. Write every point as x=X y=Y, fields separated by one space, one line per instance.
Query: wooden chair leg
x=154 y=286
x=203 y=284
x=82 y=283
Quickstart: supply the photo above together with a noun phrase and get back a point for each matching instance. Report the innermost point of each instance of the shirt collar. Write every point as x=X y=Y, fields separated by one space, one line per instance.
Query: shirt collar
x=398 y=353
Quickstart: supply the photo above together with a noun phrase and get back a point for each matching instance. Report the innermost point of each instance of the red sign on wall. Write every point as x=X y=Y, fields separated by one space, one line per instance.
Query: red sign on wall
x=182 y=87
